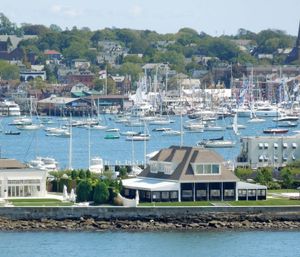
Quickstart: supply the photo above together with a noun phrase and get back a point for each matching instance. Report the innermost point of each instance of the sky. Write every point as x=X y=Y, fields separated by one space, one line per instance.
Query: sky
x=215 y=17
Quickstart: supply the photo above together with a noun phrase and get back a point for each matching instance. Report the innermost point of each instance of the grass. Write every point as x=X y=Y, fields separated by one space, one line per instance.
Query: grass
x=38 y=202
x=279 y=191
x=271 y=202
x=177 y=204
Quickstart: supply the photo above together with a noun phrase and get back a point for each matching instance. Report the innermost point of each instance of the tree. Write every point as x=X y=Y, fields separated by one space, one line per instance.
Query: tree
x=8 y=71
x=101 y=193
x=83 y=191
x=264 y=176
x=132 y=69
x=82 y=174
x=287 y=177
x=243 y=173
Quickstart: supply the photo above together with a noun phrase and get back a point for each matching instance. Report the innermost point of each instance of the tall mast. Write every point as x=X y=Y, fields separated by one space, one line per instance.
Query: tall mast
x=70 y=144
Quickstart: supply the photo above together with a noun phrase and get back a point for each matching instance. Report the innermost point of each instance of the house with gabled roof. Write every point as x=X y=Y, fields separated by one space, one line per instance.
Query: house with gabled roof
x=189 y=174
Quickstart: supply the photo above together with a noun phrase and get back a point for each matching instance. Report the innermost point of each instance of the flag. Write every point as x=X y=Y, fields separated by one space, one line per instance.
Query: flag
x=102 y=74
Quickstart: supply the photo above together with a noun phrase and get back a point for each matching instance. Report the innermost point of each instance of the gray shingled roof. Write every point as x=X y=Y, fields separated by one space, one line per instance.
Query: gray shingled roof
x=184 y=157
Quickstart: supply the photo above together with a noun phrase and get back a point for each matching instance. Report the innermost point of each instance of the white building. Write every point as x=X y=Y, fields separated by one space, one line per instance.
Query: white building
x=262 y=151
x=17 y=180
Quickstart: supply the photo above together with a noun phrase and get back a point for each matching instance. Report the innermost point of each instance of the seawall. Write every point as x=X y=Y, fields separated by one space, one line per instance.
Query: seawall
x=149 y=218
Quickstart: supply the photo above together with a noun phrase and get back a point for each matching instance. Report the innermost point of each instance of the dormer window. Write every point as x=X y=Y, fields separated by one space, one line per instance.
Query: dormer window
x=206 y=169
x=164 y=167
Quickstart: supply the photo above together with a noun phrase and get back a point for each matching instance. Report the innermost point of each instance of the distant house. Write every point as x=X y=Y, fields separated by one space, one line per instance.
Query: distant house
x=79 y=90
x=80 y=76
x=189 y=174
x=81 y=64
x=10 y=51
x=17 y=180
x=52 y=56
x=27 y=75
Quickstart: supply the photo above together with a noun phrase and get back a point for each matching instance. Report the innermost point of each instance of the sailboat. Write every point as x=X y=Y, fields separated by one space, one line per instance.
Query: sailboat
x=253 y=118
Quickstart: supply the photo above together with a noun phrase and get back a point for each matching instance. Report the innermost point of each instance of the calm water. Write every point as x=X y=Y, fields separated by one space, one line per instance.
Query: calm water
x=30 y=144
x=173 y=244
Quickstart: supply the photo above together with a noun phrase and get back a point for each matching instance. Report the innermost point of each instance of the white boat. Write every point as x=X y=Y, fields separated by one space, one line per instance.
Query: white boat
x=267 y=111
x=286 y=118
x=140 y=137
x=172 y=133
x=44 y=163
x=97 y=165
x=213 y=128
x=21 y=121
x=216 y=143
x=9 y=108
x=98 y=127
x=161 y=129
x=129 y=133
x=160 y=122
x=113 y=130
x=255 y=120
x=239 y=126
x=30 y=127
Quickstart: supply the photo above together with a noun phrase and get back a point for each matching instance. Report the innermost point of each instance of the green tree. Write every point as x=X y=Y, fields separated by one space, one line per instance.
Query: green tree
x=83 y=191
x=8 y=71
x=264 y=176
x=243 y=173
x=101 y=193
x=82 y=174
x=123 y=172
x=287 y=177
x=132 y=69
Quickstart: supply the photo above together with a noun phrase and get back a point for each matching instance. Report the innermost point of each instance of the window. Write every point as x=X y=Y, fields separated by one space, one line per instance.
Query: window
x=200 y=169
x=242 y=192
x=201 y=193
x=165 y=195
x=156 y=195
x=126 y=192
x=251 y=192
x=229 y=192
x=215 y=168
x=215 y=193
x=187 y=193
x=174 y=195
x=261 y=192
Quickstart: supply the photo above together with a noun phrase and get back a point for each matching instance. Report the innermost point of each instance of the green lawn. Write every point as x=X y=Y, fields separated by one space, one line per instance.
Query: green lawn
x=38 y=202
x=279 y=191
x=272 y=202
x=177 y=204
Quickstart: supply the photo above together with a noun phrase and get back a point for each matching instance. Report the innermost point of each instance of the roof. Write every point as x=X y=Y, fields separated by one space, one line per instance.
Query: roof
x=184 y=157
x=11 y=164
x=150 y=184
x=244 y=185
x=57 y=100
x=48 y=52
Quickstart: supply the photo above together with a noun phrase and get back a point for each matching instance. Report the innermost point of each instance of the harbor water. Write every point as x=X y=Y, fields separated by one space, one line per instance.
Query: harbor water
x=30 y=144
x=148 y=244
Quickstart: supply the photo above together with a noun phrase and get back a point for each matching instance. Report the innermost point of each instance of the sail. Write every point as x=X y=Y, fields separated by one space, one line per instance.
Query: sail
x=235 y=125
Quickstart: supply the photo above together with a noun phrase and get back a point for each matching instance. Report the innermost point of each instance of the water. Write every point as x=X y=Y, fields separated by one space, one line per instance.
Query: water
x=146 y=244
x=35 y=143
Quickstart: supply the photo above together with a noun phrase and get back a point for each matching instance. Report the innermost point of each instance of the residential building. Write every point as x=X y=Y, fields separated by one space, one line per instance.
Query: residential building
x=189 y=174
x=17 y=180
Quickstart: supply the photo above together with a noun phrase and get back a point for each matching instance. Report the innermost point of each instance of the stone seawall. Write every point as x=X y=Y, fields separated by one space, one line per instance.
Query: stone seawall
x=148 y=218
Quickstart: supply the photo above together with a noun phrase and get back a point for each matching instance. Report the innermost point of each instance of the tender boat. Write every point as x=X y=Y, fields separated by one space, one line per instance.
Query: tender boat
x=140 y=137
x=216 y=143
x=275 y=131
x=172 y=133
x=12 y=133
x=112 y=136
x=161 y=129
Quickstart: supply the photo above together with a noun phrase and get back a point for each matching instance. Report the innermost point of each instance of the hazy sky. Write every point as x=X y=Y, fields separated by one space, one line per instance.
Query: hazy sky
x=214 y=17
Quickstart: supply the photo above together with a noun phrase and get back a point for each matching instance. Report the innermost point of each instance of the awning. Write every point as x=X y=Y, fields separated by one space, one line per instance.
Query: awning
x=151 y=184
x=244 y=185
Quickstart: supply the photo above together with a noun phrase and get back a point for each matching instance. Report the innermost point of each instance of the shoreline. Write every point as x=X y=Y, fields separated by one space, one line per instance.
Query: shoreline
x=146 y=225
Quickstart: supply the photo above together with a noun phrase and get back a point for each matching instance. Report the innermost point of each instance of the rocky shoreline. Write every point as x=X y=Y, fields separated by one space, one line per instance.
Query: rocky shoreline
x=207 y=222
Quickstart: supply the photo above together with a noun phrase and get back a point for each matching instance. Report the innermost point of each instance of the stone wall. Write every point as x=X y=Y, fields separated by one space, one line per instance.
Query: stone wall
x=141 y=213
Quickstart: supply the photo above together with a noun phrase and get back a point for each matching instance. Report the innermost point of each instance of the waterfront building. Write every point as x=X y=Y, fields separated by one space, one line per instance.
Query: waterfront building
x=262 y=151
x=9 y=108
x=17 y=180
x=189 y=174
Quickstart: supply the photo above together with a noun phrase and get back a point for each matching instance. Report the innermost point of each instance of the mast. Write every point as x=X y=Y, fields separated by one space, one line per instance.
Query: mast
x=70 y=144
x=181 y=128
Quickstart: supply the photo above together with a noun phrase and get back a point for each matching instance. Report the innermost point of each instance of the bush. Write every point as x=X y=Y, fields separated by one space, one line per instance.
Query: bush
x=101 y=193
x=243 y=173
x=83 y=191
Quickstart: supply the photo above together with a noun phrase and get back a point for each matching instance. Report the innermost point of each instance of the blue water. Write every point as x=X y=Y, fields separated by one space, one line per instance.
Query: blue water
x=30 y=144
x=146 y=244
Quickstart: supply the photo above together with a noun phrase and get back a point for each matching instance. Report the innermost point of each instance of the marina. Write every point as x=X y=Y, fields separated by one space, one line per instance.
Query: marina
x=51 y=143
